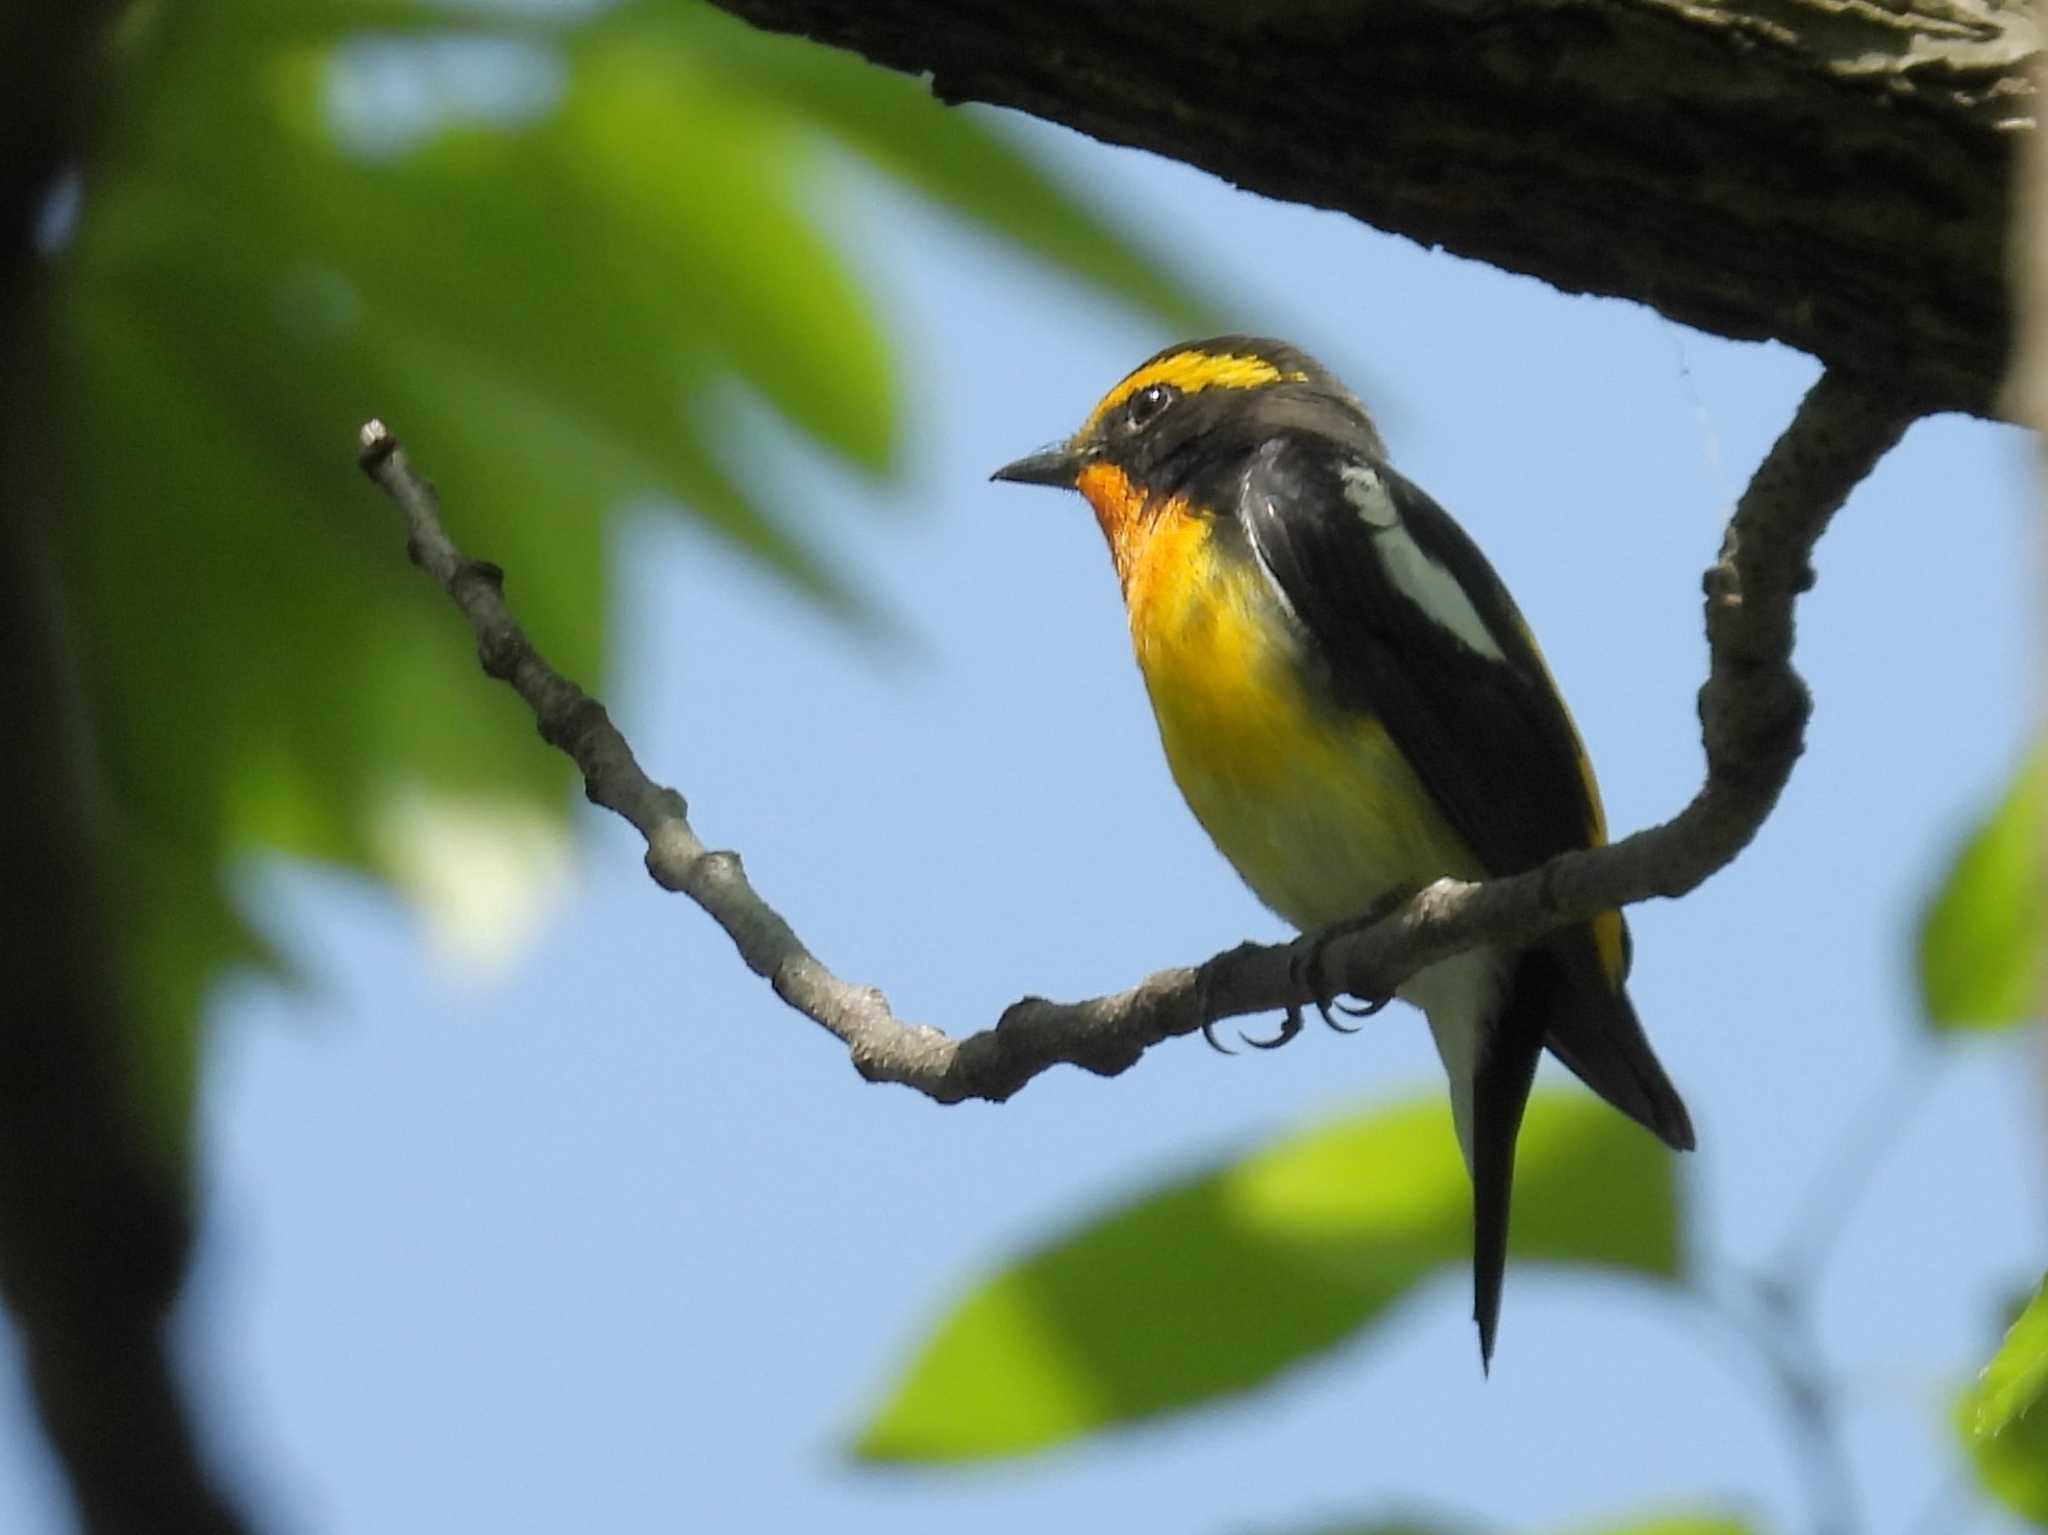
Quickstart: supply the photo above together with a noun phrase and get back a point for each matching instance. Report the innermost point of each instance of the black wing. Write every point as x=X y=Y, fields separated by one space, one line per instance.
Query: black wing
x=1410 y=624
x=1389 y=590
x=1437 y=650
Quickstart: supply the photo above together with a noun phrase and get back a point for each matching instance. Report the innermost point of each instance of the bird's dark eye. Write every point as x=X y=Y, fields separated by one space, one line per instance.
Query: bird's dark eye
x=1144 y=407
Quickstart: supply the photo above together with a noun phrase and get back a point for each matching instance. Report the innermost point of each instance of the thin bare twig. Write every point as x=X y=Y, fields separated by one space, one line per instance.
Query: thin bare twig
x=1776 y=1325
x=1851 y=1163
x=1753 y=712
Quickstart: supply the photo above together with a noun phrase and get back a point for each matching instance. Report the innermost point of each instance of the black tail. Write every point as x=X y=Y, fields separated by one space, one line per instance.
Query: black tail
x=1557 y=994
x=1500 y=1091
x=1593 y=1030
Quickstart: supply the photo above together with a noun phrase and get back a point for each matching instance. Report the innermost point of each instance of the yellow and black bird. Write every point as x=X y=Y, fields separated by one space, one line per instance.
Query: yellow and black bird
x=1353 y=708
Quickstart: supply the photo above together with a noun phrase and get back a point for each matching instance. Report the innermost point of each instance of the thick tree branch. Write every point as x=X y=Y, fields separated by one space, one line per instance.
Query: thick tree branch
x=1753 y=712
x=1828 y=173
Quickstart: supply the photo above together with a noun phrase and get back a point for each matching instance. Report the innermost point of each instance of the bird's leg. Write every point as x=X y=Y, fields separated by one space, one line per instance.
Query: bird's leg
x=1311 y=971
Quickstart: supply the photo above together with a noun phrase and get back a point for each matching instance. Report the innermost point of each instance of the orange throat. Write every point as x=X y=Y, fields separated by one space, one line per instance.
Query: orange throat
x=1125 y=514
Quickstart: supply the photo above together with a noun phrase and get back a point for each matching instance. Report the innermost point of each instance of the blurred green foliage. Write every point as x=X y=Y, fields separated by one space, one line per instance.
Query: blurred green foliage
x=2015 y=1383
x=2012 y=1465
x=544 y=246
x=2003 y=1419
x=1983 y=967
x=1214 y=1284
x=1668 y=1524
x=539 y=245
x=1983 y=939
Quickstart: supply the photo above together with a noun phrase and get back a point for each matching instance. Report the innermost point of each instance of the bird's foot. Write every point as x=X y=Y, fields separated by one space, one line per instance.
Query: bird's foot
x=1311 y=969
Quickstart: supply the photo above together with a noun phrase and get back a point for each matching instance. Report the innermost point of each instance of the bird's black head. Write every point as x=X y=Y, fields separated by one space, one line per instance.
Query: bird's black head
x=1197 y=407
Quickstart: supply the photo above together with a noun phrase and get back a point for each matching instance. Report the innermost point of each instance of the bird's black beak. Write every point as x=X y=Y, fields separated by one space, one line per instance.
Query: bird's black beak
x=1056 y=466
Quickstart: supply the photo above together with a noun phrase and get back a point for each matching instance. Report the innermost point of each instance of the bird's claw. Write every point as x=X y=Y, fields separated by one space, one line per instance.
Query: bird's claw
x=1289 y=1027
x=1311 y=973
x=1330 y=1018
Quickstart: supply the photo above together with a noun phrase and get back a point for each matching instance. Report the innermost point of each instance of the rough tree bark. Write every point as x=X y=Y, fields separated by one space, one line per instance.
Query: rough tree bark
x=1832 y=174
x=2026 y=395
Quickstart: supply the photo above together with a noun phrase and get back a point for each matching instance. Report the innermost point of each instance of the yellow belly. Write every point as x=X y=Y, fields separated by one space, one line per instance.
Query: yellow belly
x=1317 y=811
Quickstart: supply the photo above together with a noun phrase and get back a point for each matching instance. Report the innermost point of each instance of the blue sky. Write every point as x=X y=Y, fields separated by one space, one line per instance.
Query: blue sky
x=611 y=1241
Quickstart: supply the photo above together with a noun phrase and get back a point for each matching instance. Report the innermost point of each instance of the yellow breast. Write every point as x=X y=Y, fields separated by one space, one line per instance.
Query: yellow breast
x=1315 y=808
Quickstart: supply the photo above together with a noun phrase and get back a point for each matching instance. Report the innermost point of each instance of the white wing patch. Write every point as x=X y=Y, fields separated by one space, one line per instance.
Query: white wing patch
x=1272 y=583
x=1430 y=586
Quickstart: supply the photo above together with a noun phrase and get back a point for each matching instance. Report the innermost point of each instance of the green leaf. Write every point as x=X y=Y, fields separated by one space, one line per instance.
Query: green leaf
x=1216 y=1283
x=1982 y=942
x=2016 y=1381
x=954 y=157
x=2012 y=1464
x=551 y=301
x=179 y=931
x=951 y=155
x=697 y=172
x=1667 y=1524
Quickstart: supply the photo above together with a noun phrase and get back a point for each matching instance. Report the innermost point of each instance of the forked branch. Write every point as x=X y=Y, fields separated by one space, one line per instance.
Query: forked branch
x=1753 y=713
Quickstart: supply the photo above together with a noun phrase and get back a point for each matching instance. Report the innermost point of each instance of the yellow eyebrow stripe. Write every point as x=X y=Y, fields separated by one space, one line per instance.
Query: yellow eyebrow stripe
x=1191 y=372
